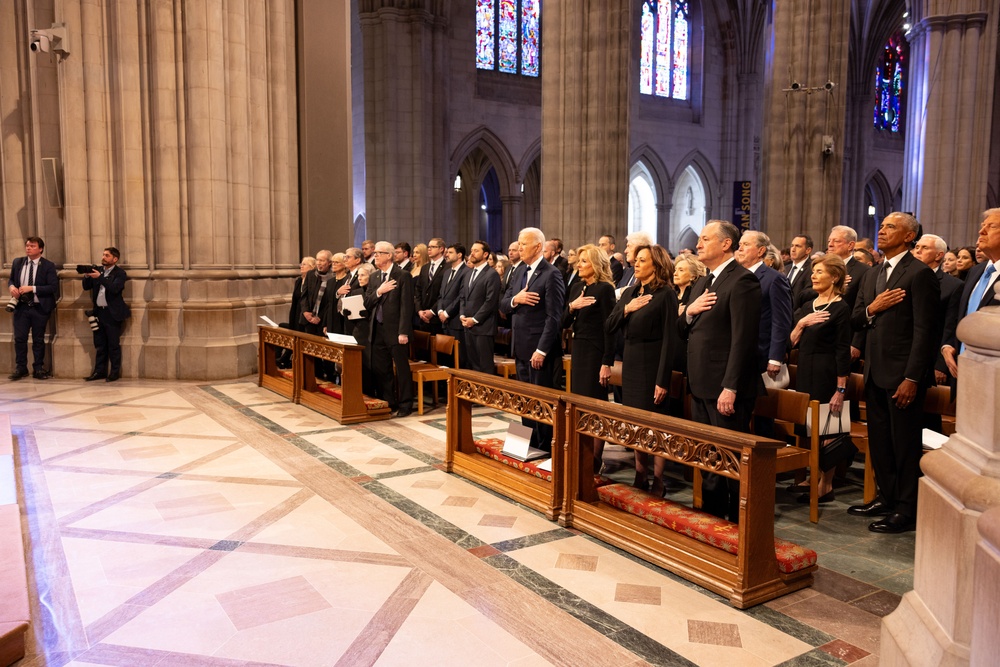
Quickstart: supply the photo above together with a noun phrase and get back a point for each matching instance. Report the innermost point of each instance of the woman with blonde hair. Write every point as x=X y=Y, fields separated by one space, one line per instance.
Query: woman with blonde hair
x=647 y=313
x=588 y=305
x=822 y=332
x=418 y=259
x=687 y=270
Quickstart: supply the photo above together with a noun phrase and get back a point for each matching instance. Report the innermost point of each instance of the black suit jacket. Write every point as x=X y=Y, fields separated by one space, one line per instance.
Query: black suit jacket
x=801 y=283
x=308 y=294
x=616 y=269
x=114 y=285
x=951 y=297
x=902 y=342
x=426 y=290
x=536 y=327
x=722 y=341
x=562 y=264
x=775 y=316
x=975 y=273
x=397 y=305
x=450 y=299
x=480 y=300
x=46 y=282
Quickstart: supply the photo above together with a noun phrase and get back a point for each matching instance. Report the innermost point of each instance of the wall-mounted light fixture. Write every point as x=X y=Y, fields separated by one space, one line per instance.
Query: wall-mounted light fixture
x=458 y=183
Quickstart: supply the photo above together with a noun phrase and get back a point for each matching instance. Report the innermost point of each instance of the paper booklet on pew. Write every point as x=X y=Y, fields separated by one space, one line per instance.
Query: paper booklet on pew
x=268 y=321
x=341 y=338
x=516 y=446
x=933 y=439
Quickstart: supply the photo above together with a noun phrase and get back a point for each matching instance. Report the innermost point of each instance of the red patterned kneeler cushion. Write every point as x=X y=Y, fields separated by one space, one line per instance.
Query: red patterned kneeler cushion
x=286 y=373
x=493 y=448
x=331 y=389
x=701 y=526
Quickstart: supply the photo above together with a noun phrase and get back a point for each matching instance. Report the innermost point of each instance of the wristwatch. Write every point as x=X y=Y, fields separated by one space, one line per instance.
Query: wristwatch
x=841 y=390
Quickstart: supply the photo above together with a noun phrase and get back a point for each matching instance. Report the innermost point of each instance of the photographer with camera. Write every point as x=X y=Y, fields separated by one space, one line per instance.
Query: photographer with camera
x=106 y=284
x=34 y=287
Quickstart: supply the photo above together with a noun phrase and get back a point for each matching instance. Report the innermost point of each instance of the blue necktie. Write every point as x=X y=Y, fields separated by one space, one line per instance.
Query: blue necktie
x=977 y=294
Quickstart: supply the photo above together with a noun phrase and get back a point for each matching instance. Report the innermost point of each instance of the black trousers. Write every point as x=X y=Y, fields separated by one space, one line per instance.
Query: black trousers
x=29 y=318
x=721 y=495
x=384 y=357
x=895 y=442
x=108 y=343
x=541 y=434
x=480 y=349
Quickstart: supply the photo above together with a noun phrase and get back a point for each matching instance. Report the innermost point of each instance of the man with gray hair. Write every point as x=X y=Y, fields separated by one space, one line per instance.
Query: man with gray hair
x=775 y=302
x=534 y=303
x=897 y=306
x=315 y=299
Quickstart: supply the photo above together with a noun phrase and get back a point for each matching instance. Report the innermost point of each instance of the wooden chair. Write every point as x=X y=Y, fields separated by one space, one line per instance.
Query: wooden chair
x=788 y=409
x=441 y=344
x=504 y=365
x=938 y=402
x=420 y=350
x=859 y=432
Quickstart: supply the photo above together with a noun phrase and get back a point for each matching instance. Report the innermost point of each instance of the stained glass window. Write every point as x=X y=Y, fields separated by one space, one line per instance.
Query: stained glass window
x=507 y=36
x=665 y=49
x=890 y=80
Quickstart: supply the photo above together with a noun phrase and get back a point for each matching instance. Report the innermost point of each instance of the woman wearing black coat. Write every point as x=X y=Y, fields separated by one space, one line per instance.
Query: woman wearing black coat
x=822 y=332
x=361 y=329
x=647 y=312
x=588 y=306
x=307 y=264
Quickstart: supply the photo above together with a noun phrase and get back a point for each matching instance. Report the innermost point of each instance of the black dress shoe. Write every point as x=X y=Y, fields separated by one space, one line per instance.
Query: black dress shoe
x=112 y=377
x=17 y=375
x=874 y=508
x=41 y=374
x=95 y=376
x=894 y=523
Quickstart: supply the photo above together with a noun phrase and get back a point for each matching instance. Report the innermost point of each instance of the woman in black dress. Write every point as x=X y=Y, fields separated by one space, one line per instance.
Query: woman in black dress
x=307 y=264
x=647 y=313
x=588 y=305
x=822 y=333
x=687 y=270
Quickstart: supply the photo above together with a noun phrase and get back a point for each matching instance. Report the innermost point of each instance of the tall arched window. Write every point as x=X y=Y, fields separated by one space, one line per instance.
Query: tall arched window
x=890 y=82
x=507 y=38
x=665 y=49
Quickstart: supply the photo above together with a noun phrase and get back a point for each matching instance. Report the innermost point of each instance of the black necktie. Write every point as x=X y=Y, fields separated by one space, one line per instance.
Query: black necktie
x=430 y=272
x=793 y=274
x=524 y=283
x=711 y=279
x=31 y=272
x=883 y=277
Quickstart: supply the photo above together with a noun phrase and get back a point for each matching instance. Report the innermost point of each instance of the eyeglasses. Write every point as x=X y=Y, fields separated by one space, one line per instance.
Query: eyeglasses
x=382 y=252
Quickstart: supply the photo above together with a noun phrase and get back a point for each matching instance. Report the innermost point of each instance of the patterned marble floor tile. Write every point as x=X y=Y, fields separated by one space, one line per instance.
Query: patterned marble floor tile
x=467 y=514
x=122 y=419
x=141 y=454
x=52 y=443
x=363 y=453
x=199 y=425
x=244 y=462
x=679 y=604
x=162 y=399
x=70 y=492
x=247 y=393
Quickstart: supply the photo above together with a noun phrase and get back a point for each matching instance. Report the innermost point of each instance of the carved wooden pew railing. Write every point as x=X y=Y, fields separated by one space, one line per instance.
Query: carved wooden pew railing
x=747 y=577
x=467 y=389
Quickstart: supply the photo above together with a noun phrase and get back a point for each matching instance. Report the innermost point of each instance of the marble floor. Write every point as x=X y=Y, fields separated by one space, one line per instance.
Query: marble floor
x=218 y=524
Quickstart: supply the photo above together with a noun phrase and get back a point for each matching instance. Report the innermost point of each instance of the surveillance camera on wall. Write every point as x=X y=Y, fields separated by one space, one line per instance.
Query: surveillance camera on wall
x=827 y=144
x=795 y=85
x=40 y=41
x=829 y=86
x=52 y=39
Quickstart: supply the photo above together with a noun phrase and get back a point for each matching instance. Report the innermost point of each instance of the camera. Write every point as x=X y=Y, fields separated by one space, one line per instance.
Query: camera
x=39 y=42
x=92 y=319
x=12 y=304
x=84 y=269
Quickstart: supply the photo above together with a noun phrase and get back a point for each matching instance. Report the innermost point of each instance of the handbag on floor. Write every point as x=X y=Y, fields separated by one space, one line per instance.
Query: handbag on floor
x=835 y=444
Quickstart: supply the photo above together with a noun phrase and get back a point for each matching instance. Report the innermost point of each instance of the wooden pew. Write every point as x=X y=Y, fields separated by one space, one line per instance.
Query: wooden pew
x=747 y=577
x=346 y=403
x=467 y=389
x=15 y=613
x=271 y=340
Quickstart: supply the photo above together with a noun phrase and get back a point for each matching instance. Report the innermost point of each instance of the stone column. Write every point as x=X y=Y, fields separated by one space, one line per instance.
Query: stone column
x=406 y=161
x=175 y=125
x=513 y=219
x=953 y=54
x=801 y=185
x=938 y=621
x=586 y=81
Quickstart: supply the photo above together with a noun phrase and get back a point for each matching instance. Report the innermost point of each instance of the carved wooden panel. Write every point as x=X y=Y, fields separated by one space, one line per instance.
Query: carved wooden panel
x=517 y=404
x=320 y=351
x=277 y=338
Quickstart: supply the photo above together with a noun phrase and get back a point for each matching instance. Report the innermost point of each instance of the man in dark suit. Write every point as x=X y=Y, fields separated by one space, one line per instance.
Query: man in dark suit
x=480 y=297
x=930 y=250
x=775 y=303
x=897 y=305
x=106 y=287
x=632 y=241
x=721 y=326
x=401 y=255
x=800 y=272
x=534 y=303
x=978 y=291
x=449 y=302
x=389 y=299
x=607 y=244
x=553 y=255
x=34 y=285
x=315 y=298
x=427 y=287
x=368 y=252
